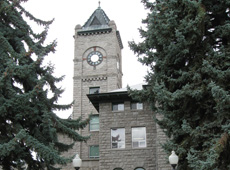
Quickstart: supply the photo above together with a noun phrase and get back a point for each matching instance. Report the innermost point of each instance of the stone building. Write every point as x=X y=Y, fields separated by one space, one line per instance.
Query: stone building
x=127 y=133
x=123 y=133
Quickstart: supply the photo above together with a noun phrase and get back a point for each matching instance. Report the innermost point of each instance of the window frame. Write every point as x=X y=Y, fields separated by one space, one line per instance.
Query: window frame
x=139 y=141
x=118 y=104
x=136 y=105
x=97 y=88
x=95 y=157
x=90 y=123
x=118 y=142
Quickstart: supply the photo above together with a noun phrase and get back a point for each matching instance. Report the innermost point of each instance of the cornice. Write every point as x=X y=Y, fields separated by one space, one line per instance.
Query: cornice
x=94 y=32
x=91 y=78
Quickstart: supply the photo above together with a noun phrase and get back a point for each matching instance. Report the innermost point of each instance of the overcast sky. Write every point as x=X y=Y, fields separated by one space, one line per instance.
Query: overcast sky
x=127 y=15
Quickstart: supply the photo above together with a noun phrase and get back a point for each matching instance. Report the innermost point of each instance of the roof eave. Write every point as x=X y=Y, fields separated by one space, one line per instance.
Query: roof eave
x=95 y=99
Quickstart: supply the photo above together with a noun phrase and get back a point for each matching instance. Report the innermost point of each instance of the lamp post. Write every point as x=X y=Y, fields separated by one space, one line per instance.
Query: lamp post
x=173 y=160
x=77 y=162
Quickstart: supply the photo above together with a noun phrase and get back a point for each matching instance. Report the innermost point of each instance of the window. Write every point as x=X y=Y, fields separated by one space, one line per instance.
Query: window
x=118 y=61
x=94 y=151
x=118 y=138
x=139 y=137
x=139 y=169
x=94 y=123
x=118 y=65
x=118 y=169
x=94 y=90
x=137 y=106
x=118 y=107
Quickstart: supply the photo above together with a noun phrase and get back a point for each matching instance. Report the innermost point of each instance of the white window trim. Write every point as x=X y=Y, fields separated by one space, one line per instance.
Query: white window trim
x=137 y=104
x=94 y=124
x=90 y=152
x=118 y=107
x=139 y=141
x=117 y=142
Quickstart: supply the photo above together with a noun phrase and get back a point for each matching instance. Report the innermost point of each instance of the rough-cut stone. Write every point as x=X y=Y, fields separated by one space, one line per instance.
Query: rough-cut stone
x=108 y=76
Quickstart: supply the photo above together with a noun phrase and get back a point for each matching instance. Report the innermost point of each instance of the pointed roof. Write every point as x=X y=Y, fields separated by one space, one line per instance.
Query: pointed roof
x=98 y=20
x=98 y=23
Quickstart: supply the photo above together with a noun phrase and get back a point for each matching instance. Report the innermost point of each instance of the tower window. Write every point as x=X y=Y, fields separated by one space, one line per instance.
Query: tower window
x=118 y=65
x=118 y=61
x=118 y=107
x=94 y=123
x=94 y=90
x=94 y=151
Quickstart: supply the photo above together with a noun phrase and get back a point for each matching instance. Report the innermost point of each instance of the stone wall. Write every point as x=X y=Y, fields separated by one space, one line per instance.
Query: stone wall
x=106 y=75
x=127 y=158
x=162 y=157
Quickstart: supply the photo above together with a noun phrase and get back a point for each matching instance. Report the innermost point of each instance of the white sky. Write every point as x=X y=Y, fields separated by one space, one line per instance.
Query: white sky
x=127 y=15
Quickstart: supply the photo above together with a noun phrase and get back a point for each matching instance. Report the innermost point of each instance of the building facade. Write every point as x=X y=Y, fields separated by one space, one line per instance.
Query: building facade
x=123 y=133
x=128 y=134
x=97 y=69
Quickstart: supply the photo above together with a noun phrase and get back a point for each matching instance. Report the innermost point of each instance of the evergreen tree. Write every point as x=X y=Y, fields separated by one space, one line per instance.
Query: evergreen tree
x=186 y=44
x=29 y=128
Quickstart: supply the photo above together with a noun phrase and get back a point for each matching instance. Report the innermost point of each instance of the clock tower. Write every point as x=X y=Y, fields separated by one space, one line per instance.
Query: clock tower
x=97 y=69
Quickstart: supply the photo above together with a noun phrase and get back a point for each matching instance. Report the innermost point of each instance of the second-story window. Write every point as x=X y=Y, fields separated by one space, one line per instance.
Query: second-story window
x=139 y=137
x=94 y=123
x=117 y=138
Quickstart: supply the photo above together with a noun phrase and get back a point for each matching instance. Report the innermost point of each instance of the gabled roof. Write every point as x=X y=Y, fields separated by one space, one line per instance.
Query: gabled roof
x=98 y=20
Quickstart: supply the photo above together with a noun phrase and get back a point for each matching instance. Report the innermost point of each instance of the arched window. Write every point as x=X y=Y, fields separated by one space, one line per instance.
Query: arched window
x=118 y=169
x=139 y=169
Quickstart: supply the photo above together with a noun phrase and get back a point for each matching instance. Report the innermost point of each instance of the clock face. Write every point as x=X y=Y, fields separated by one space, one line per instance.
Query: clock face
x=94 y=58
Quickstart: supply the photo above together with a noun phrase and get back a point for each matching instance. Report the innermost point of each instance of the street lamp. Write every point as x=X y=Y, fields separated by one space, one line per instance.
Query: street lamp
x=173 y=160
x=77 y=162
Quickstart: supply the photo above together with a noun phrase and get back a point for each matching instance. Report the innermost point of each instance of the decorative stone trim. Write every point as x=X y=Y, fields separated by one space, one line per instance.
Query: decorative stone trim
x=93 y=32
x=94 y=79
x=119 y=39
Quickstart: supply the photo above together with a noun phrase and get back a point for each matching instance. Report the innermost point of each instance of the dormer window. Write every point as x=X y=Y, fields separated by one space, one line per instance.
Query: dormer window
x=95 y=21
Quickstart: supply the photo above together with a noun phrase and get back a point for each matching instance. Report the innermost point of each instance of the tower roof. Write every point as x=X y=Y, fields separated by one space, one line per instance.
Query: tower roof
x=98 y=23
x=98 y=20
